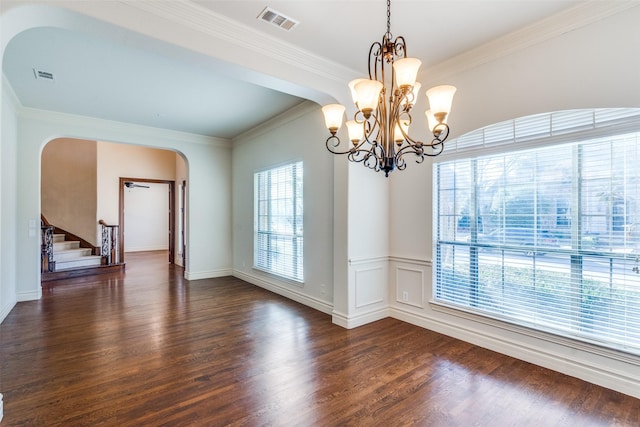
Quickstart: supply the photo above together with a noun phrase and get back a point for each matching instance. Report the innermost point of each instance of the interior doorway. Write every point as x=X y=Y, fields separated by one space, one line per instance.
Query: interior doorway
x=131 y=183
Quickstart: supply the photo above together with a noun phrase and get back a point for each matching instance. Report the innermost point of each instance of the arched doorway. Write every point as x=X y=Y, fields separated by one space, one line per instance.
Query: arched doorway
x=83 y=182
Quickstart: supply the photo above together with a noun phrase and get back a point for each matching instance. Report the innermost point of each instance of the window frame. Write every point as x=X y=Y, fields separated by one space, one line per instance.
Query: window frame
x=263 y=223
x=478 y=151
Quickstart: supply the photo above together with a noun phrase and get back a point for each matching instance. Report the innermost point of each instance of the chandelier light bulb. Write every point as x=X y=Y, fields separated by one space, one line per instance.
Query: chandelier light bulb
x=352 y=88
x=368 y=95
x=333 y=117
x=433 y=123
x=431 y=120
x=356 y=131
x=410 y=100
x=440 y=100
x=406 y=71
x=398 y=137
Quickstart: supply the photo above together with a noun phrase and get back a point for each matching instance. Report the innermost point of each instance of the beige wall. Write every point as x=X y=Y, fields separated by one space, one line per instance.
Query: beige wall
x=128 y=161
x=68 y=193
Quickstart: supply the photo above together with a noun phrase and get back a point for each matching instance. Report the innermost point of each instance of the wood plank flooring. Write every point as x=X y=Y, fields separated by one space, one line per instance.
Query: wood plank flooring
x=148 y=348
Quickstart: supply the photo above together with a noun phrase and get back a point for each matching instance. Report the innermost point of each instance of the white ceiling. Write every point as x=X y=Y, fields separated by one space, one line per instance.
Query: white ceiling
x=130 y=79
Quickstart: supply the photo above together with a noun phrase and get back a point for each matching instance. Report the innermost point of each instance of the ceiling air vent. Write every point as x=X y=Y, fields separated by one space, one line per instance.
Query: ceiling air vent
x=278 y=19
x=42 y=75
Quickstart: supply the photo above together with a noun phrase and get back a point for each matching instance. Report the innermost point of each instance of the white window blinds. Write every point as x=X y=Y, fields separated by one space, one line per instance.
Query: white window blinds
x=546 y=128
x=278 y=236
x=547 y=238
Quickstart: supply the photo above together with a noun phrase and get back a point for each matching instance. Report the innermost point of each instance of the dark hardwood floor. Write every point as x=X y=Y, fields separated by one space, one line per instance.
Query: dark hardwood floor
x=148 y=348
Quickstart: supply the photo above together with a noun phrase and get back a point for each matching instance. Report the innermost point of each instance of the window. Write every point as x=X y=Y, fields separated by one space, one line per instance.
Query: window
x=278 y=237
x=547 y=238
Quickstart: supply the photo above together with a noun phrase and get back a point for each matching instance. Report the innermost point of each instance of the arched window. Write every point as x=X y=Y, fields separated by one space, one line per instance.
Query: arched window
x=551 y=208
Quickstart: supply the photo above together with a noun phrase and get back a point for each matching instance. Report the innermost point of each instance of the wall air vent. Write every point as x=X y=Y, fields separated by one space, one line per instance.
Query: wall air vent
x=278 y=19
x=42 y=75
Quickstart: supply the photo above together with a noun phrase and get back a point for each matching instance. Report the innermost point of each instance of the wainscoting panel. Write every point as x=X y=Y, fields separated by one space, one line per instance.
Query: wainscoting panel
x=370 y=286
x=410 y=286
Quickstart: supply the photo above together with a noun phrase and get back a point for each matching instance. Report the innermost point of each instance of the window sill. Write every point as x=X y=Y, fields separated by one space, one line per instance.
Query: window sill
x=283 y=279
x=548 y=336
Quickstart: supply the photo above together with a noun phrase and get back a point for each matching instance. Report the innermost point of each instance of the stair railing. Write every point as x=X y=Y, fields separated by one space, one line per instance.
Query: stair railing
x=110 y=248
x=47 y=264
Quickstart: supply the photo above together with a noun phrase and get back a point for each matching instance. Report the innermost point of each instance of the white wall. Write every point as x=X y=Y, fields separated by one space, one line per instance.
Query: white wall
x=364 y=299
x=594 y=66
x=8 y=197
x=146 y=217
x=296 y=135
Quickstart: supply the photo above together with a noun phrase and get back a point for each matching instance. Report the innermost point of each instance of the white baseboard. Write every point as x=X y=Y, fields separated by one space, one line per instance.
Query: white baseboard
x=4 y=311
x=599 y=374
x=146 y=249
x=29 y=296
x=1 y=408
x=190 y=275
x=350 y=322
x=286 y=292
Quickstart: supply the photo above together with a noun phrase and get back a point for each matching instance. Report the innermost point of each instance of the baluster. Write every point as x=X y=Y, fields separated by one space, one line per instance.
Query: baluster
x=114 y=244
x=46 y=249
x=110 y=248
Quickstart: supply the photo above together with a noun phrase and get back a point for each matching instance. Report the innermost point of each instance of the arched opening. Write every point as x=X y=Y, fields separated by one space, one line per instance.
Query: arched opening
x=85 y=182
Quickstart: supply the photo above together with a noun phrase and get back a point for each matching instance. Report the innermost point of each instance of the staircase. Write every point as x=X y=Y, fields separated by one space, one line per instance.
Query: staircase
x=64 y=255
x=69 y=255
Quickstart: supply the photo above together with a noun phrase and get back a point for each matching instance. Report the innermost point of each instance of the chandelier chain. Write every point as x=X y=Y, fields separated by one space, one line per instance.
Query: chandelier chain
x=389 y=18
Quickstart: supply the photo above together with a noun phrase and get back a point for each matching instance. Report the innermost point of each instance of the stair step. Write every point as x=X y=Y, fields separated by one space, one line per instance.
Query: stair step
x=70 y=254
x=58 y=238
x=86 y=261
x=65 y=245
x=51 y=277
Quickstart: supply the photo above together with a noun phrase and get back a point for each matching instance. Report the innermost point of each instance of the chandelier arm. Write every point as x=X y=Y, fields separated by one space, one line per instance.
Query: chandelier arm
x=374 y=59
x=370 y=128
x=415 y=148
x=400 y=47
x=437 y=150
x=409 y=149
x=366 y=156
x=332 y=147
x=441 y=132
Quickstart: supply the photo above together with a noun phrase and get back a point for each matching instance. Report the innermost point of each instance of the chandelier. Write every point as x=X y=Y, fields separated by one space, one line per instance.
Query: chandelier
x=379 y=131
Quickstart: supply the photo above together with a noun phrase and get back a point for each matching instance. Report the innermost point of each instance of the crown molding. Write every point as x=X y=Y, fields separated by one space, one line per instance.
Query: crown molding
x=293 y=113
x=556 y=25
x=98 y=127
x=234 y=33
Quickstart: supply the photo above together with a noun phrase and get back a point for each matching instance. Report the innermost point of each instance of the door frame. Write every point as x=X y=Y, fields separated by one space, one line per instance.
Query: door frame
x=183 y=220
x=172 y=215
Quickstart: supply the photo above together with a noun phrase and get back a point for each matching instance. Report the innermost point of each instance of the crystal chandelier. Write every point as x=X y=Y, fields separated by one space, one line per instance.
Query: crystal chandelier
x=379 y=131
